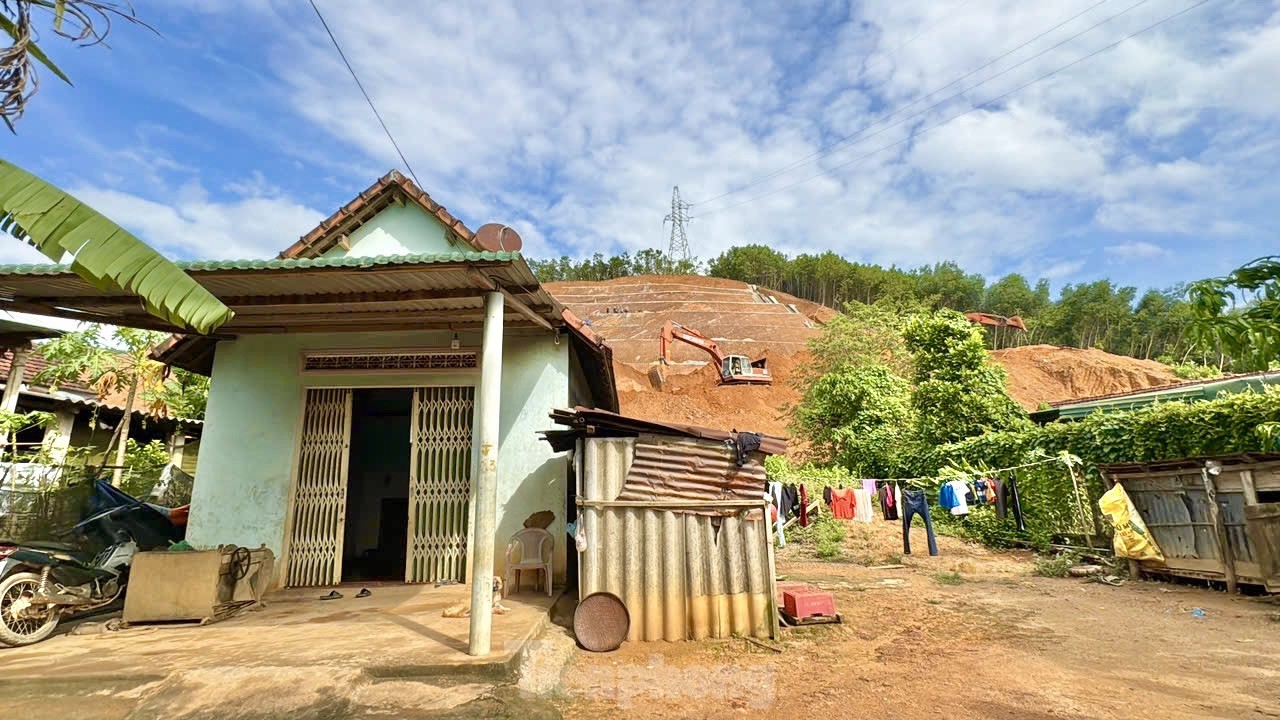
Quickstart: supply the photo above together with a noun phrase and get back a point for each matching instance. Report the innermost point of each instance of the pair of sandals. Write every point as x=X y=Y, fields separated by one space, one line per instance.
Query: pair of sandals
x=335 y=595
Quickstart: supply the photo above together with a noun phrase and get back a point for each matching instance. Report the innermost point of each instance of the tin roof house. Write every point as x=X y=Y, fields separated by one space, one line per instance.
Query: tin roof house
x=375 y=401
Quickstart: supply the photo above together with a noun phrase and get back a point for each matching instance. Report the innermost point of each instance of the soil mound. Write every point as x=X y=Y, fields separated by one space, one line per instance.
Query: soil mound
x=1048 y=373
x=756 y=321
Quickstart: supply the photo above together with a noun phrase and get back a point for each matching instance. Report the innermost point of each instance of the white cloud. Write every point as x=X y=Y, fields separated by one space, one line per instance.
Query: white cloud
x=1017 y=148
x=1138 y=250
x=573 y=120
x=193 y=226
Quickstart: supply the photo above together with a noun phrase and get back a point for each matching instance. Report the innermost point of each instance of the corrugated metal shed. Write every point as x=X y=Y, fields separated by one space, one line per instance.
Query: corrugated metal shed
x=1213 y=518
x=674 y=527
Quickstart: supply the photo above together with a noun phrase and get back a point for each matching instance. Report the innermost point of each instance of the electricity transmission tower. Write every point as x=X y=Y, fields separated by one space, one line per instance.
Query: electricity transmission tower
x=678 y=249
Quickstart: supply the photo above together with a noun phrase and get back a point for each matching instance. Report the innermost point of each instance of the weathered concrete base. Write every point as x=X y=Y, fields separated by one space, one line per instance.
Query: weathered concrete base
x=298 y=657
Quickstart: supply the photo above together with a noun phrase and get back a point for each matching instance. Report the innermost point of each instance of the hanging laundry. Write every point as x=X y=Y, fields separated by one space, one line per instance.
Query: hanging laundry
x=946 y=496
x=870 y=487
x=775 y=493
x=914 y=502
x=888 y=504
x=1015 y=502
x=804 y=507
x=745 y=444
x=826 y=496
x=790 y=501
x=862 y=505
x=959 y=491
x=970 y=496
x=843 y=503
x=980 y=491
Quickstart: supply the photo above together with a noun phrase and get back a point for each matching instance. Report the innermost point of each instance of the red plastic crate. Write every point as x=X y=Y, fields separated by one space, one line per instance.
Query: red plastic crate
x=808 y=602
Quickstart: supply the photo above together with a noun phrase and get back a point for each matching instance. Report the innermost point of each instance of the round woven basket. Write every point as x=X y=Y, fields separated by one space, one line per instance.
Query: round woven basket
x=601 y=622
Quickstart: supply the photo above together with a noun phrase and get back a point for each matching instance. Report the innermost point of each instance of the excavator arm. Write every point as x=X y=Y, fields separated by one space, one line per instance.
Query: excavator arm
x=672 y=331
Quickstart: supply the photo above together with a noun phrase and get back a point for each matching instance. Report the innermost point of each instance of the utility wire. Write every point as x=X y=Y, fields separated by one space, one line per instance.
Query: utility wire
x=364 y=92
x=833 y=146
x=992 y=101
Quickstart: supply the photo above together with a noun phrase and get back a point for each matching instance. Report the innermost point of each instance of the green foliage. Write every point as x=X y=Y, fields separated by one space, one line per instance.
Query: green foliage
x=1240 y=313
x=1192 y=370
x=598 y=267
x=858 y=418
x=825 y=536
x=958 y=393
x=948 y=578
x=103 y=253
x=183 y=394
x=1055 y=566
x=1228 y=424
x=145 y=463
x=12 y=423
x=815 y=477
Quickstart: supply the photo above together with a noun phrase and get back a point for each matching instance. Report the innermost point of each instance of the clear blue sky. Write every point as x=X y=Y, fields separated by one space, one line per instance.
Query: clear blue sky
x=236 y=128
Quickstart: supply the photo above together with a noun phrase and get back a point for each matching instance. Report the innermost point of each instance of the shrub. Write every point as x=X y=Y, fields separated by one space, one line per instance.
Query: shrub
x=1055 y=565
x=948 y=578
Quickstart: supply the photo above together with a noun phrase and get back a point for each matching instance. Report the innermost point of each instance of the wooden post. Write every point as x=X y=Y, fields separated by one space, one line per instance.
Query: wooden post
x=1084 y=519
x=1250 y=490
x=1224 y=544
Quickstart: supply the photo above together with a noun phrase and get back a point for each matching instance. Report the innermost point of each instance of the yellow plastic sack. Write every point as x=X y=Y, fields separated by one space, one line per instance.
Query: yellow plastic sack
x=1131 y=539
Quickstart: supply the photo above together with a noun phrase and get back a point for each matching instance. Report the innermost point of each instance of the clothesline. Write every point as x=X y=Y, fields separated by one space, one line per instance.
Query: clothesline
x=954 y=476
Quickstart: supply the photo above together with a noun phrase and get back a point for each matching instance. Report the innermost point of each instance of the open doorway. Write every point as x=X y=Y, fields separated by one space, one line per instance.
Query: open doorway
x=377 y=513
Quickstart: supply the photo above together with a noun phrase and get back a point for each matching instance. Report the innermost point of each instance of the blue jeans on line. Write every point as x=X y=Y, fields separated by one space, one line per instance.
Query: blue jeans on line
x=915 y=503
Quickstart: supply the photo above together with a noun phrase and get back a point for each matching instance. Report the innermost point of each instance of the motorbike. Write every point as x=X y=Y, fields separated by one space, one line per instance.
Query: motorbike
x=41 y=583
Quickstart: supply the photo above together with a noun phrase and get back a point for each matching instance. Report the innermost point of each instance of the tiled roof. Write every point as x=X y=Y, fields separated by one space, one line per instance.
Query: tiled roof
x=350 y=216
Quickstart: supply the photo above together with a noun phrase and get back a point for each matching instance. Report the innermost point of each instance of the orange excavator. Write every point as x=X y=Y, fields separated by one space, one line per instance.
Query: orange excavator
x=996 y=321
x=734 y=369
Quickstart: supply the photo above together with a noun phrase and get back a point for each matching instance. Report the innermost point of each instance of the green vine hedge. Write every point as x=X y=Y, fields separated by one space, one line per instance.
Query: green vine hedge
x=1225 y=425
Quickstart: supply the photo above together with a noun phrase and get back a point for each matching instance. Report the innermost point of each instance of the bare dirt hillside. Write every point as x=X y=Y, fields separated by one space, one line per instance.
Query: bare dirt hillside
x=1048 y=373
x=756 y=321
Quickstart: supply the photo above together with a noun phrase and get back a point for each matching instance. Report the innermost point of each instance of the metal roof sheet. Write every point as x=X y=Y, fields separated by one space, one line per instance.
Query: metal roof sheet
x=1190 y=390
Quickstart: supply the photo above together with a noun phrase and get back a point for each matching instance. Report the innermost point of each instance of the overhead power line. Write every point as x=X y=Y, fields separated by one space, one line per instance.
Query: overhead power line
x=832 y=147
x=364 y=92
x=937 y=125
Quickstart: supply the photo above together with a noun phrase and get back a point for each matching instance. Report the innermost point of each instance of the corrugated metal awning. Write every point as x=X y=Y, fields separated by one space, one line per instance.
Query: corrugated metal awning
x=593 y=421
x=401 y=292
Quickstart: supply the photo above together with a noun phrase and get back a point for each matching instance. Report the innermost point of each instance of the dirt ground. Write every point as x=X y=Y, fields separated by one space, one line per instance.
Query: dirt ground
x=968 y=634
x=1048 y=373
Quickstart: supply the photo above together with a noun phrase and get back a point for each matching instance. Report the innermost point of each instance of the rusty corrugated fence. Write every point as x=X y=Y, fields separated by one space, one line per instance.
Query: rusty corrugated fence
x=690 y=561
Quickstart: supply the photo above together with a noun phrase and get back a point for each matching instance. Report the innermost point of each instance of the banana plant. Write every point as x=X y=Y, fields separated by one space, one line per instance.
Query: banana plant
x=103 y=253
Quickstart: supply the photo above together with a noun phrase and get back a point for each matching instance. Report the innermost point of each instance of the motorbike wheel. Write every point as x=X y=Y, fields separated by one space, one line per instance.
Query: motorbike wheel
x=18 y=626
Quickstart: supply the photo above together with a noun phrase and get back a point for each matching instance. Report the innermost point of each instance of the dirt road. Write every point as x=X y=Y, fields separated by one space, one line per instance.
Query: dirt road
x=968 y=634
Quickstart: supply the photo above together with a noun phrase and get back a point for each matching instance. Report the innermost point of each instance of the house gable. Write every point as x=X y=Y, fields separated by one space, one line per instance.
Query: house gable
x=398 y=230
x=338 y=234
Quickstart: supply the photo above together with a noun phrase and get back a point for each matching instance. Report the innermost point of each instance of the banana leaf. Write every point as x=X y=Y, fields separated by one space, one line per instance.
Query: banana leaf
x=103 y=253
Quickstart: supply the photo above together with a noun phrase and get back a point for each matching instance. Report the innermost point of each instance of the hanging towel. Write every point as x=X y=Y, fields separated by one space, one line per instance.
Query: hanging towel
x=746 y=443
x=804 y=507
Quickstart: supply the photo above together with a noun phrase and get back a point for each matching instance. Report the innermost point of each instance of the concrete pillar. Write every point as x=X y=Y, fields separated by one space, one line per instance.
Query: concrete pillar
x=13 y=385
x=57 y=439
x=485 y=497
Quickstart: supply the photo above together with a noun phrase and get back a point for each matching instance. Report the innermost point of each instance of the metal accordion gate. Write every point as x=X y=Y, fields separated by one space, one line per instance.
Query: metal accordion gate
x=440 y=447
x=320 y=497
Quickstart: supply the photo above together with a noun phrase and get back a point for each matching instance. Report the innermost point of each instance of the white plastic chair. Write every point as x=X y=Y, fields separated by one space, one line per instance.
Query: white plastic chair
x=537 y=548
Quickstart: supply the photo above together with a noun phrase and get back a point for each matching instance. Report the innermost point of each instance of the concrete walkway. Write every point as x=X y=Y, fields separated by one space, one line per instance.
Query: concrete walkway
x=297 y=657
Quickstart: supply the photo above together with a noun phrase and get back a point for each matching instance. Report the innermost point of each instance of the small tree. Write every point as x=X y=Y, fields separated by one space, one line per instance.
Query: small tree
x=83 y=356
x=958 y=392
x=859 y=418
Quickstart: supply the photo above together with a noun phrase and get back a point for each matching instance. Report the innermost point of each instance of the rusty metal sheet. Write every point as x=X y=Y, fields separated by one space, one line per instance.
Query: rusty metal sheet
x=675 y=468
